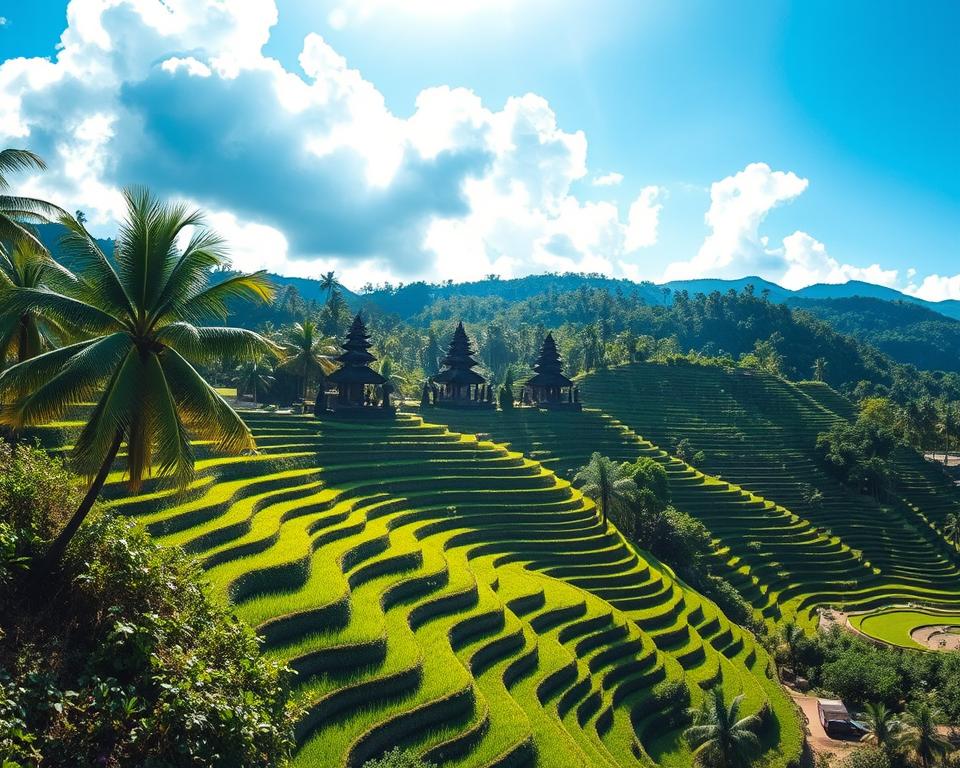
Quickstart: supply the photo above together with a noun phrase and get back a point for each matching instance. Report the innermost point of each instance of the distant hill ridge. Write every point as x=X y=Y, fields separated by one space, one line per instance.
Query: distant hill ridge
x=409 y=299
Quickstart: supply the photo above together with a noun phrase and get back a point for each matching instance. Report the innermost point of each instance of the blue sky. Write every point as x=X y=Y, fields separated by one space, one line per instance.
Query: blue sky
x=854 y=104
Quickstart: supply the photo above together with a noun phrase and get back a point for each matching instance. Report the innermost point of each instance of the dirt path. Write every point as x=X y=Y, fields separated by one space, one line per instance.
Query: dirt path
x=819 y=742
x=938 y=638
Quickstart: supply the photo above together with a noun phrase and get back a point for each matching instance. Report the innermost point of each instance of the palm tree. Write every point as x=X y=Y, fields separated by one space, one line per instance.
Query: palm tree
x=329 y=283
x=951 y=529
x=922 y=736
x=138 y=312
x=255 y=377
x=884 y=729
x=391 y=374
x=792 y=635
x=607 y=483
x=18 y=213
x=719 y=737
x=819 y=368
x=26 y=334
x=308 y=353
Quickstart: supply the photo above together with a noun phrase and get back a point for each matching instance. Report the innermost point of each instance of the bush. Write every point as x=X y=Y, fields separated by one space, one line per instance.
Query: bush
x=866 y=757
x=121 y=658
x=397 y=759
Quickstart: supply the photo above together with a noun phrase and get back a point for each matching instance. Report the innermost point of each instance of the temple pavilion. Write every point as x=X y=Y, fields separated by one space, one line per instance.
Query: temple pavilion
x=549 y=388
x=458 y=385
x=361 y=391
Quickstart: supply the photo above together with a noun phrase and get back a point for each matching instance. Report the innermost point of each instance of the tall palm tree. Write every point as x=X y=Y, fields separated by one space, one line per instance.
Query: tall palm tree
x=18 y=213
x=140 y=313
x=309 y=353
x=792 y=635
x=254 y=377
x=719 y=737
x=607 y=483
x=819 y=368
x=329 y=283
x=921 y=735
x=26 y=334
x=884 y=728
x=951 y=529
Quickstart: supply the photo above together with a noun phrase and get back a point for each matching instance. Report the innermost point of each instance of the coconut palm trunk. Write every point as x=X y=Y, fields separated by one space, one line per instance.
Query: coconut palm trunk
x=139 y=314
x=55 y=552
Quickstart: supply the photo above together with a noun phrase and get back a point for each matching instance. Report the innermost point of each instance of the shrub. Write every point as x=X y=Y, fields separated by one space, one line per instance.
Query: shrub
x=397 y=759
x=125 y=660
x=866 y=757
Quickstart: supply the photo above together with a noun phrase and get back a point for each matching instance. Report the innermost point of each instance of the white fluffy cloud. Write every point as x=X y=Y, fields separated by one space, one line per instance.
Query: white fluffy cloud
x=735 y=247
x=305 y=172
x=808 y=262
x=611 y=179
x=738 y=205
x=937 y=288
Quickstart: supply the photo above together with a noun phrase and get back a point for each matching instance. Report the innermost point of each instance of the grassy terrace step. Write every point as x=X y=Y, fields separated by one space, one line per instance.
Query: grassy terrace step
x=452 y=594
x=758 y=432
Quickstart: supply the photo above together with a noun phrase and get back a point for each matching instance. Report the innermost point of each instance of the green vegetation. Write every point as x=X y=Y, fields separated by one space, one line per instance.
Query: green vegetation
x=720 y=737
x=125 y=660
x=896 y=626
x=381 y=562
x=799 y=538
x=133 y=317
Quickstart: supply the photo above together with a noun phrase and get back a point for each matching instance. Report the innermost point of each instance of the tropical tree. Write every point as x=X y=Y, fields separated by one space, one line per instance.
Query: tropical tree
x=329 y=283
x=951 y=529
x=139 y=313
x=608 y=483
x=18 y=213
x=884 y=728
x=922 y=736
x=719 y=737
x=308 y=354
x=792 y=635
x=254 y=377
x=392 y=374
x=819 y=368
x=26 y=334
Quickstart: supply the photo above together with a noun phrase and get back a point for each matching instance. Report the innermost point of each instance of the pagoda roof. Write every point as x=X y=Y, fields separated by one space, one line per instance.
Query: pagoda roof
x=549 y=379
x=355 y=374
x=355 y=358
x=459 y=376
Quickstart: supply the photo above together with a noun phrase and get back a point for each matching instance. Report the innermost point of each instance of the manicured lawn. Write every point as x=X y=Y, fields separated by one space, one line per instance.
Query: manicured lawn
x=895 y=626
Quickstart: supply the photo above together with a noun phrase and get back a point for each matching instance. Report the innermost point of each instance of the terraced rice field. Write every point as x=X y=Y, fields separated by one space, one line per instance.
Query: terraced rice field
x=792 y=552
x=911 y=628
x=455 y=596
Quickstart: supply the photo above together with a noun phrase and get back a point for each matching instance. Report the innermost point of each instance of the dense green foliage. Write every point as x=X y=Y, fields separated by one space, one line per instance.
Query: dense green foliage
x=125 y=660
x=860 y=672
x=907 y=332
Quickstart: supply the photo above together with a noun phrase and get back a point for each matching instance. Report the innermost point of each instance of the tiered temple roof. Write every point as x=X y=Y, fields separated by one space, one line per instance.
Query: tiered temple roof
x=355 y=360
x=549 y=367
x=458 y=364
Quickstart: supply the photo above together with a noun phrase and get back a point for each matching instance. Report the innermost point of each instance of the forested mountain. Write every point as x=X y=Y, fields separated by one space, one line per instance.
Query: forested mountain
x=909 y=333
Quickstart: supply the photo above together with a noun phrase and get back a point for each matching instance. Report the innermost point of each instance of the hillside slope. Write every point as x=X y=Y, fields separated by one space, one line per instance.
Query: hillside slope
x=451 y=595
x=758 y=432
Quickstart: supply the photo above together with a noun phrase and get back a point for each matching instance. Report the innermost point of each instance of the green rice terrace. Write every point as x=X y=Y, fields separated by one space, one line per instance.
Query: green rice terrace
x=919 y=629
x=437 y=582
x=455 y=596
x=792 y=549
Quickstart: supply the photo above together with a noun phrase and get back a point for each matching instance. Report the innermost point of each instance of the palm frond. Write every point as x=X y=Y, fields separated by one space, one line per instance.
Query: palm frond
x=16 y=160
x=113 y=414
x=79 y=379
x=213 y=302
x=101 y=283
x=204 y=412
x=15 y=207
x=61 y=308
x=206 y=344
